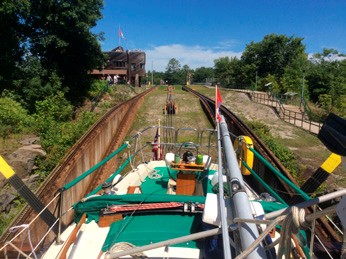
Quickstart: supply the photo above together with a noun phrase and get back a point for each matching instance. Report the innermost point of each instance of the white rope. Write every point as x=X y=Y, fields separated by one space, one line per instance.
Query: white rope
x=24 y=226
x=131 y=162
x=294 y=221
x=123 y=246
x=152 y=173
x=298 y=218
x=20 y=232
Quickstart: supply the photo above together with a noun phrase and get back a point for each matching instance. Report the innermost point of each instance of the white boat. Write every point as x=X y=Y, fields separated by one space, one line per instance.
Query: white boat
x=189 y=202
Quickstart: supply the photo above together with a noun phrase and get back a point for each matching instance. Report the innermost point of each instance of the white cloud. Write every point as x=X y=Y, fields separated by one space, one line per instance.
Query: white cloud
x=193 y=56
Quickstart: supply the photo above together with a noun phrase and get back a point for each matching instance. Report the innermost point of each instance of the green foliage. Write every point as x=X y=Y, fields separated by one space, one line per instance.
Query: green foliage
x=325 y=102
x=57 y=131
x=36 y=83
x=230 y=72
x=55 y=33
x=173 y=66
x=60 y=34
x=13 y=117
x=327 y=76
x=12 y=36
x=174 y=74
x=284 y=154
x=54 y=107
x=260 y=128
x=269 y=84
x=282 y=61
x=98 y=87
x=223 y=70
x=293 y=77
x=6 y=219
x=273 y=54
x=201 y=74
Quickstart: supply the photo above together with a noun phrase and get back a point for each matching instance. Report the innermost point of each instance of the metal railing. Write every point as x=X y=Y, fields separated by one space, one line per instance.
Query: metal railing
x=298 y=119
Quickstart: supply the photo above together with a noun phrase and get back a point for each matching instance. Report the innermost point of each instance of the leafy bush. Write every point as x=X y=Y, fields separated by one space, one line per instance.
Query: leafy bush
x=284 y=154
x=98 y=87
x=13 y=117
x=57 y=131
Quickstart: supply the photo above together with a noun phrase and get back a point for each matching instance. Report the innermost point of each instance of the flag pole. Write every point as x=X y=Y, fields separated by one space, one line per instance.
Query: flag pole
x=158 y=143
x=119 y=36
x=216 y=108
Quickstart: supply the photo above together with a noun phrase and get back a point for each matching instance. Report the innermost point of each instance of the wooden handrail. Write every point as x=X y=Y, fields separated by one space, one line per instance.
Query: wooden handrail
x=71 y=239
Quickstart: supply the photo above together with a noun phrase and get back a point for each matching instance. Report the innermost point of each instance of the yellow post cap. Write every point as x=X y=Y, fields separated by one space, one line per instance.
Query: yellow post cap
x=5 y=168
x=331 y=163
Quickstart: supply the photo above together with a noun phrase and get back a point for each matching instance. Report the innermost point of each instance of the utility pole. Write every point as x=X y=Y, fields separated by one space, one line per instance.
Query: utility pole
x=152 y=73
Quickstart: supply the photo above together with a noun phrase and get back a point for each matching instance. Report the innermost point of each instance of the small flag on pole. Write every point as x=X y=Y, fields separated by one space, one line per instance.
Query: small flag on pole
x=121 y=35
x=218 y=102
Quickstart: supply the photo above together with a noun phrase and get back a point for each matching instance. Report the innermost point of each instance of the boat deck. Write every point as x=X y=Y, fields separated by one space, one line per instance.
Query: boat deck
x=146 y=228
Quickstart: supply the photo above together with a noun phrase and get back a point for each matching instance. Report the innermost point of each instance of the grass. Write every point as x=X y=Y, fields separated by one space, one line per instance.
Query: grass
x=188 y=114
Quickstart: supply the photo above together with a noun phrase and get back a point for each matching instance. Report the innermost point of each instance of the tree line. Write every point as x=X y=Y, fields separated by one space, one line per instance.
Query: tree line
x=278 y=64
x=47 y=47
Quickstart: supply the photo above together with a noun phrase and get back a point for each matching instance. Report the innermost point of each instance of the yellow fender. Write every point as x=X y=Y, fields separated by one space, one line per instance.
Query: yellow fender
x=241 y=147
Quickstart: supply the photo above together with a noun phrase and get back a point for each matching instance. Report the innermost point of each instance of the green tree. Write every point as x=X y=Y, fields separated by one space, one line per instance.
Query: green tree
x=294 y=75
x=326 y=77
x=13 y=117
x=223 y=70
x=201 y=74
x=229 y=72
x=12 y=30
x=273 y=55
x=60 y=36
x=172 y=73
x=55 y=33
x=185 y=74
x=56 y=129
x=35 y=83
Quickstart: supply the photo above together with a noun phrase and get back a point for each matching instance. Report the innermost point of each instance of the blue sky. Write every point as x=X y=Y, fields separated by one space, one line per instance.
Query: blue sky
x=196 y=32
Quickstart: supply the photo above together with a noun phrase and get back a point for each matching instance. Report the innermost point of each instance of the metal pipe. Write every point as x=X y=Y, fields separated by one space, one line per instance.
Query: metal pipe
x=265 y=185
x=308 y=203
x=280 y=175
x=241 y=205
x=58 y=238
x=221 y=200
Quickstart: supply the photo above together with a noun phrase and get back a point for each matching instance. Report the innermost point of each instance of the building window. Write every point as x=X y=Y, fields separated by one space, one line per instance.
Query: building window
x=133 y=66
x=142 y=66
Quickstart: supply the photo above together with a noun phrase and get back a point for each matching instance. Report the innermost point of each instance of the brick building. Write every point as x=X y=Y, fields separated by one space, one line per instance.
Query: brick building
x=128 y=66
